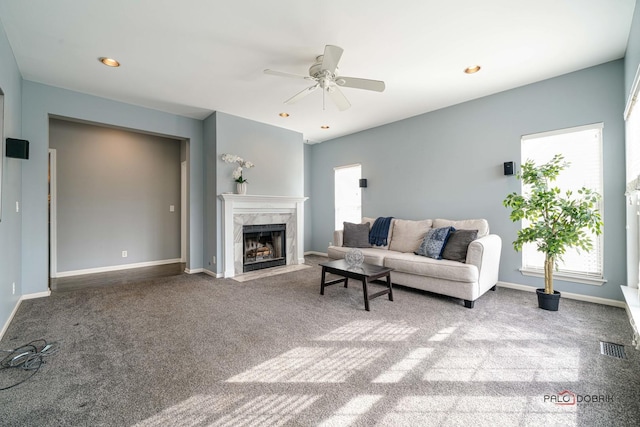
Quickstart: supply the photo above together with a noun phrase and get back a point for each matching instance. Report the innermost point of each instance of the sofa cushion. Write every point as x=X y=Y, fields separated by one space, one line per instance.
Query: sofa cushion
x=429 y=267
x=434 y=242
x=374 y=256
x=370 y=221
x=356 y=235
x=408 y=235
x=457 y=245
x=466 y=224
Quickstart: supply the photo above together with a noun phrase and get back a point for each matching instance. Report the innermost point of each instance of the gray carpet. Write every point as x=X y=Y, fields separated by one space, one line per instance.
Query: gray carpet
x=196 y=351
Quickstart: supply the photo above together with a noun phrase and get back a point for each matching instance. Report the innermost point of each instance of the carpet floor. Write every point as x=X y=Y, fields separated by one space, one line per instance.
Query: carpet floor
x=197 y=351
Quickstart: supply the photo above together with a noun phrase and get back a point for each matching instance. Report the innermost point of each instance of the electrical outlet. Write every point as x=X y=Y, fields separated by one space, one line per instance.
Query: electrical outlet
x=172 y=208
x=214 y=259
x=17 y=206
x=124 y=254
x=14 y=288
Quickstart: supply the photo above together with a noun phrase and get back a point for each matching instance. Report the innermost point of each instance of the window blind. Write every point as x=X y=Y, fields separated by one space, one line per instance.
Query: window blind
x=582 y=148
x=348 y=200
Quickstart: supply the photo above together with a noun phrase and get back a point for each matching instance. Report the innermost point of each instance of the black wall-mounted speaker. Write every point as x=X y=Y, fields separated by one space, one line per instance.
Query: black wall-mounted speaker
x=363 y=183
x=17 y=148
x=508 y=168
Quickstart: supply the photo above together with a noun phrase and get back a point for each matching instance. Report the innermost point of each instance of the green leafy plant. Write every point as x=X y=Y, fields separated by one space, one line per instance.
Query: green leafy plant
x=557 y=220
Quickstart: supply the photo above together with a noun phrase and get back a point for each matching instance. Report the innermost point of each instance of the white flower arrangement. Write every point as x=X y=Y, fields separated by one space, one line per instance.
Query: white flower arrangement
x=237 y=172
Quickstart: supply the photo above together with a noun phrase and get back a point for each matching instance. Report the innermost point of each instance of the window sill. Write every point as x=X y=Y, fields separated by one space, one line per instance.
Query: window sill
x=594 y=281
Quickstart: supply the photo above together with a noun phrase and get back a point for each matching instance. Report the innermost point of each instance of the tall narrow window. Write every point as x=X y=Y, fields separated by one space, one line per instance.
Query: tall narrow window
x=582 y=148
x=1 y=145
x=348 y=199
x=632 y=144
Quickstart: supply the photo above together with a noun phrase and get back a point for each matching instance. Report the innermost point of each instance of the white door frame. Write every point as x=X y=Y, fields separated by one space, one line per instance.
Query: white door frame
x=53 y=216
x=183 y=211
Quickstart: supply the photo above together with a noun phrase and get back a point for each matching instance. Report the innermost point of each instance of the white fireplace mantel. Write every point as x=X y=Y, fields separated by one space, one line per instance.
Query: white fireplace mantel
x=238 y=209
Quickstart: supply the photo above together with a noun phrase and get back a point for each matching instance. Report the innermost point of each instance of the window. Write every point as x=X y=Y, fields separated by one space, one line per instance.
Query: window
x=582 y=148
x=1 y=145
x=348 y=200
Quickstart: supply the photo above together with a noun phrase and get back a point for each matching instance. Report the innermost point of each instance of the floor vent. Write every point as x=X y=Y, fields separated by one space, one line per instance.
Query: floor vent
x=613 y=350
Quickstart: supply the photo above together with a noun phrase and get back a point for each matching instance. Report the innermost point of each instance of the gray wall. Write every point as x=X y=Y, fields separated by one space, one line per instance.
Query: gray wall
x=114 y=189
x=448 y=163
x=41 y=101
x=308 y=208
x=211 y=195
x=11 y=222
x=277 y=154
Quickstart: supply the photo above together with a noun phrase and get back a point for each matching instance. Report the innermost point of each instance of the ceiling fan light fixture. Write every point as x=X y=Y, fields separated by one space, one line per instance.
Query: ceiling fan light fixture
x=472 y=69
x=284 y=115
x=109 y=62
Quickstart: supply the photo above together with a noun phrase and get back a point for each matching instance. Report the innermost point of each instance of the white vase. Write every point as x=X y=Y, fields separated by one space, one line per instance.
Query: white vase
x=241 y=187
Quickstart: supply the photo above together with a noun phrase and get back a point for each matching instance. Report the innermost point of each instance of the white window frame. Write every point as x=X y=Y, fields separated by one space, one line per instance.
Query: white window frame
x=341 y=210
x=596 y=279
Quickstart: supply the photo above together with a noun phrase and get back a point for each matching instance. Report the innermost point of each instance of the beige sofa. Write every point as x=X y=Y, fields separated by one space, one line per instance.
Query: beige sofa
x=465 y=280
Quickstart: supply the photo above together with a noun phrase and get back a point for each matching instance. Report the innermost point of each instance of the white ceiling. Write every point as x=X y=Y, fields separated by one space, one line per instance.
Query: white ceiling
x=192 y=57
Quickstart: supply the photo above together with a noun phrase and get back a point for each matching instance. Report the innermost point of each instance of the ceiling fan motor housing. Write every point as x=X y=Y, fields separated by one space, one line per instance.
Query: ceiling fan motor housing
x=317 y=72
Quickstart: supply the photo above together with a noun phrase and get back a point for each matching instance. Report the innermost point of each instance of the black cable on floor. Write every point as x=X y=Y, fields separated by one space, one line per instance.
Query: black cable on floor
x=28 y=357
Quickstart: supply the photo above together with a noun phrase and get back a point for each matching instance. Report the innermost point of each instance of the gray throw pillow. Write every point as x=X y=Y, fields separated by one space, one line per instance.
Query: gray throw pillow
x=355 y=235
x=457 y=245
x=434 y=242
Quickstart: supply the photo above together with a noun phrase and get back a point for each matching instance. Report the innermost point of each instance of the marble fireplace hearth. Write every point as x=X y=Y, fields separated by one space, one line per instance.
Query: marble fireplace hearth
x=239 y=210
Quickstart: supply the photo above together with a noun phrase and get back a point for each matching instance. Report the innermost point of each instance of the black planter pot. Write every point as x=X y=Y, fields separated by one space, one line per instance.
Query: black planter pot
x=548 y=301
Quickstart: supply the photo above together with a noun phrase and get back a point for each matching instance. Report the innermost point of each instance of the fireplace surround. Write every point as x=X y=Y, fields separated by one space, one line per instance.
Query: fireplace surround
x=239 y=210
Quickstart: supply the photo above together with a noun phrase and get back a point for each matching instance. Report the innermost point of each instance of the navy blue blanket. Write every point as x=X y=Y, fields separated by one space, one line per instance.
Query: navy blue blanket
x=380 y=231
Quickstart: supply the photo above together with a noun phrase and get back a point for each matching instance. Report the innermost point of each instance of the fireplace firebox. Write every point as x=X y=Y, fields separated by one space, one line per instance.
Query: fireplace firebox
x=264 y=246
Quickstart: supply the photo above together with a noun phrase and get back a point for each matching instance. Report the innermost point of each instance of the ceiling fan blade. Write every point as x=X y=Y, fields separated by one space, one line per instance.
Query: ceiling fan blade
x=298 y=96
x=338 y=98
x=331 y=57
x=357 y=83
x=281 y=74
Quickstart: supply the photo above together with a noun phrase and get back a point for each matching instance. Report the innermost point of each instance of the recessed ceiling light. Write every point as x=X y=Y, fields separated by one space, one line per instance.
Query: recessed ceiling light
x=284 y=114
x=109 y=62
x=324 y=127
x=473 y=69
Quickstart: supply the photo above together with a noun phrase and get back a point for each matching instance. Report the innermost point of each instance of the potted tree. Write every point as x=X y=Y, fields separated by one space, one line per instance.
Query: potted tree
x=556 y=220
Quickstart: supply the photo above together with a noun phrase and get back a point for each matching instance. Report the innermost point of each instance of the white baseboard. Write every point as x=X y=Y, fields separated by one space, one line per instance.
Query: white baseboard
x=116 y=267
x=316 y=253
x=569 y=295
x=8 y=322
x=15 y=309
x=212 y=273
x=36 y=295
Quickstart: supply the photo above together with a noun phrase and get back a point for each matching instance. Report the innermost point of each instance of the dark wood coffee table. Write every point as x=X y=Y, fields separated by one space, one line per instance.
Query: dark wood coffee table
x=365 y=273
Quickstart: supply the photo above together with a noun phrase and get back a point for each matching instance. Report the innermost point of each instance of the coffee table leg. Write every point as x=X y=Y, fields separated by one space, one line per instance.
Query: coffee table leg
x=389 y=286
x=366 y=294
x=346 y=281
x=324 y=271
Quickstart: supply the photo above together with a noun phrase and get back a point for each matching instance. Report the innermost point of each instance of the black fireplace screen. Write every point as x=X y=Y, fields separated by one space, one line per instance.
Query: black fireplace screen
x=264 y=246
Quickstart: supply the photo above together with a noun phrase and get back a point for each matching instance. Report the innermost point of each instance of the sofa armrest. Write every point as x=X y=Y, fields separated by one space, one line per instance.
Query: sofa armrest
x=484 y=253
x=337 y=238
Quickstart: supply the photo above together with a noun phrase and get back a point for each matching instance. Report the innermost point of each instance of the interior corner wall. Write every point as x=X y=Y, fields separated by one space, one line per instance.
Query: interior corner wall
x=449 y=164
x=210 y=195
x=39 y=102
x=308 y=209
x=11 y=182
x=114 y=193
x=276 y=152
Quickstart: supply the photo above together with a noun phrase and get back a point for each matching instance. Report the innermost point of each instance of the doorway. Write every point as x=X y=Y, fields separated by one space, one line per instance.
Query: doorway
x=111 y=199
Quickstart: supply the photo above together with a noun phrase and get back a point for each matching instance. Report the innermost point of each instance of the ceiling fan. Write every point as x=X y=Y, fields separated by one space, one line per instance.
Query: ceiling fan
x=323 y=73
